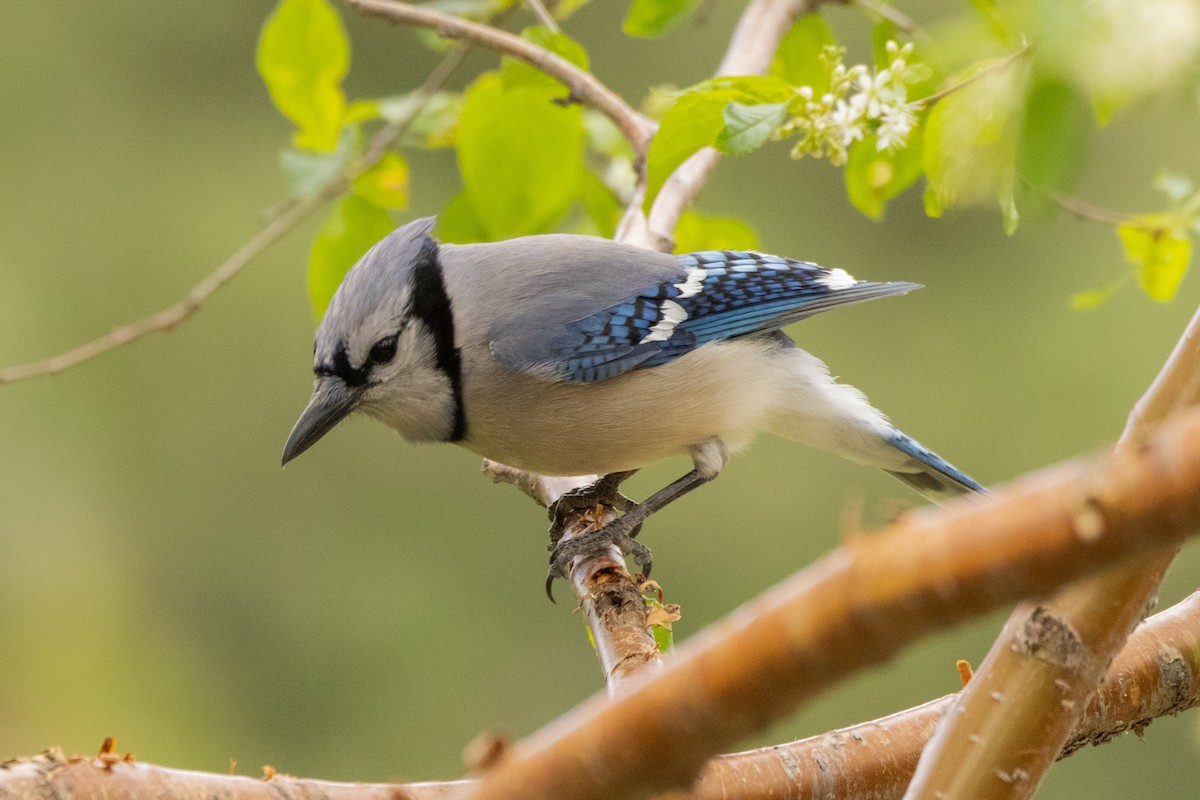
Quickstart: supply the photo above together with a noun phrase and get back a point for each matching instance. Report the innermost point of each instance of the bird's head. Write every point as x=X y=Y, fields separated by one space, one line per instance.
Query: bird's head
x=386 y=346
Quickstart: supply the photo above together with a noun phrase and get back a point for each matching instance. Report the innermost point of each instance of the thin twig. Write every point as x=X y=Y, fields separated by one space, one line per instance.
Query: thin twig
x=545 y=16
x=583 y=86
x=1083 y=210
x=999 y=66
x=893 y=15
x=287 y=216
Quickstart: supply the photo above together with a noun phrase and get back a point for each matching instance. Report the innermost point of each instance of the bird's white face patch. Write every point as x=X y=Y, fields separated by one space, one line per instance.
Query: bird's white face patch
x=672 y=314
x=694 y=282
x=837 y=279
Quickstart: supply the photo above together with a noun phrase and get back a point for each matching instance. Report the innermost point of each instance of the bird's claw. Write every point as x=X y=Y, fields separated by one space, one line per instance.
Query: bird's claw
x=604 y=492
x=586 y=544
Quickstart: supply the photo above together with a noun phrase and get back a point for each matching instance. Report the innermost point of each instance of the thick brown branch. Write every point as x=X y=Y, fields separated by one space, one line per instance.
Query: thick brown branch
x=583 y=86
x=858 y=606
x=1049 y=658
x=1157 y=673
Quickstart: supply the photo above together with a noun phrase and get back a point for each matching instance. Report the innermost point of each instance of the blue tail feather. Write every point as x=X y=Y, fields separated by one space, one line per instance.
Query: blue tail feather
x=938 y=479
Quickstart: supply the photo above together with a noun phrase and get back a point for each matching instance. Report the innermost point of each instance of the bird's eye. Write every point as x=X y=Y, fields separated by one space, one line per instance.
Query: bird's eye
x=384 y=350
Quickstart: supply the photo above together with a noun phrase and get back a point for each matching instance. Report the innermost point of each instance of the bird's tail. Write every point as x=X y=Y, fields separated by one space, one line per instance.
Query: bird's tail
x=931 y=475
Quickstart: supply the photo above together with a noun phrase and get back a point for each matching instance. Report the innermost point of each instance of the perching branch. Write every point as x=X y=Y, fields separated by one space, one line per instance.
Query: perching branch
x=1049 y=658
x=858 y=606
x=612 y=604
x=288 y=216
x=583 y=86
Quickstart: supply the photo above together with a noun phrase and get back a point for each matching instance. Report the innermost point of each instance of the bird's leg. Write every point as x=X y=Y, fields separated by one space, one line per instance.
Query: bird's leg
x=707 y=460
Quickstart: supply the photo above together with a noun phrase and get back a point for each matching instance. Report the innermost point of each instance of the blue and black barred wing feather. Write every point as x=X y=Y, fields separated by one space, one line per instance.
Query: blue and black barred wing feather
x=718 y=295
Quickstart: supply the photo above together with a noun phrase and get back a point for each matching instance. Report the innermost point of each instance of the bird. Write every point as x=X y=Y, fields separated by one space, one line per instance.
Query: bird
x=565 y=354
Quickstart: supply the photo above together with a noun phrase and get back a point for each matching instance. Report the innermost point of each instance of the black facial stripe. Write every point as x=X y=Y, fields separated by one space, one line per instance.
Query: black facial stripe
x=340 y=368
x=429 y=303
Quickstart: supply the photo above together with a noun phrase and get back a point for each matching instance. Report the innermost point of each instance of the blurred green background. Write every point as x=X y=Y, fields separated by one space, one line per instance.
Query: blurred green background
x=364 y=613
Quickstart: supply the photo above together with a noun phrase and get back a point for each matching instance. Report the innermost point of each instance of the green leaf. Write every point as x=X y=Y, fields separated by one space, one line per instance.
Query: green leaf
x=798 y=59
x=308 y=171
x=602 y=206
x=1159 y=250
x=1094 y=298
x=303 y=55
x=873 y=178
x=697 y=118
x=969 y=148
x=692 y=122
x=351 y=229
x=697 y=232
x=749 y=89
x=518 y=73
x=520 y=156
x=433 y=126
x=748 y=128
x=933 y=206
x=1053 y=137
x=604 y=137
x=386 y=183
x=663 y=637
x=459 y=223
x=649 y=18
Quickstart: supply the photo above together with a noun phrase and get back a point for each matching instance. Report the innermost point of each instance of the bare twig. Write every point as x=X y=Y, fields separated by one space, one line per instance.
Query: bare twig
x=287 y=216
x=1083 y=210
x=893 y=15
x=992 y=69
x=543 y=15
x=1049 y=658
x=165 y=320
x=583 y=86
x=858 y=606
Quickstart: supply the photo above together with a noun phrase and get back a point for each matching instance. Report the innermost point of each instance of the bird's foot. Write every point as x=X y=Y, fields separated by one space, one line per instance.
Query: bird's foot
x=619 y=532
x=604 y=492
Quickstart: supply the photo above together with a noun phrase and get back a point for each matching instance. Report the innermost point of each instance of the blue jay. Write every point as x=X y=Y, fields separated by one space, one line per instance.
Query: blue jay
x=568 y=355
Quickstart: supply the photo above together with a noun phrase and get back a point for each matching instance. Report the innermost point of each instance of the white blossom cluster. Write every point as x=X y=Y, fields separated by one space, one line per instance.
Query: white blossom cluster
x=859 y=101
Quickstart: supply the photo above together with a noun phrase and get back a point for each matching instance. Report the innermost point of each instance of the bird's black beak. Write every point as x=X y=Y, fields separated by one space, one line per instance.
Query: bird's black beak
x=331 y=401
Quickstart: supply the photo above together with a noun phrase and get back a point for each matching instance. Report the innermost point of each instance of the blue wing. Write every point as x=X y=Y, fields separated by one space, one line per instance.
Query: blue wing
x=719 y=295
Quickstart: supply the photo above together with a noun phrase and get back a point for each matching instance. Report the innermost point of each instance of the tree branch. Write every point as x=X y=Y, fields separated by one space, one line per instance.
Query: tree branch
x=1049 y=658
x=291 y=213
x=583 y=86
x=858 y=606
x=1157 y=673
x=612 y=603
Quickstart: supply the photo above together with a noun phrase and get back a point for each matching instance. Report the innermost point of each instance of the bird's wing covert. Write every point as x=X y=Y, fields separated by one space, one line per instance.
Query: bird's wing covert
x=717 y=295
